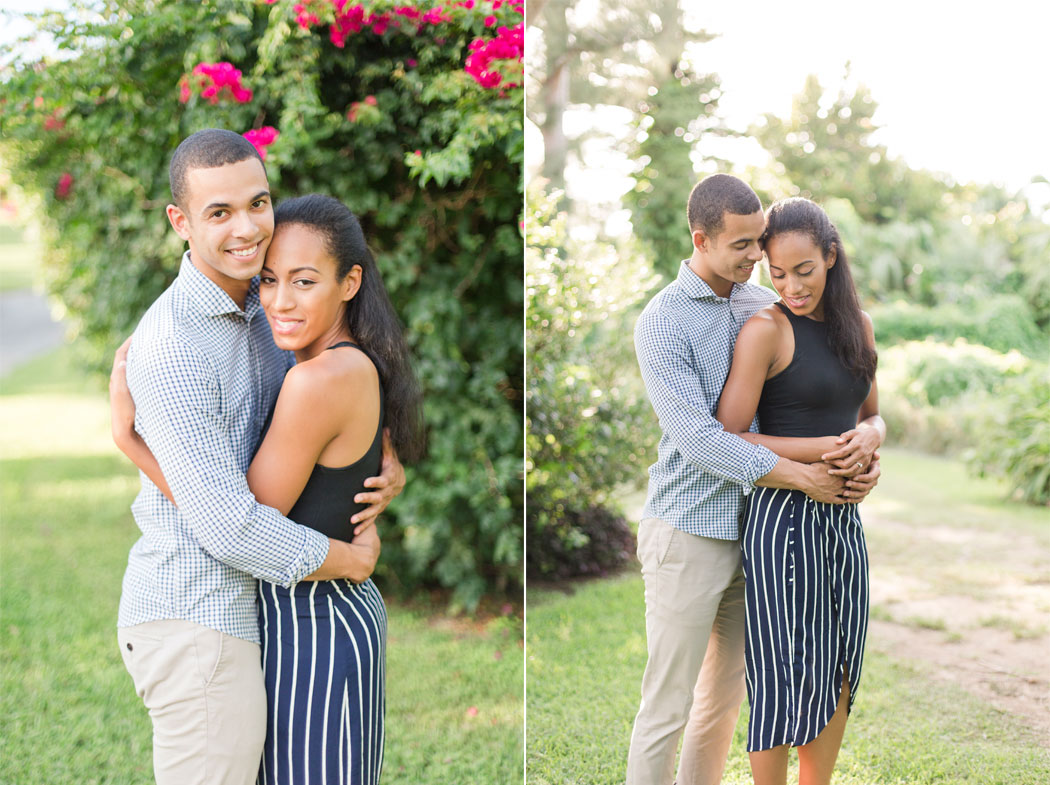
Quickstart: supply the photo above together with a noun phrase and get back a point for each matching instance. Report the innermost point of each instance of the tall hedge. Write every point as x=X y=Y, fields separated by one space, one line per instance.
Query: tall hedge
x=411 y=115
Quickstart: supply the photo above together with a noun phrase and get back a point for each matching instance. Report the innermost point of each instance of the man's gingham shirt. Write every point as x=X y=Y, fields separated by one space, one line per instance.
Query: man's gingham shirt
x=684 y=341
x=204 y=375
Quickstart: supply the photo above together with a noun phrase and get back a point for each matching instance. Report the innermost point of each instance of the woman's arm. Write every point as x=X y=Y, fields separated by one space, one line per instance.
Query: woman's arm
x=305 y=419
x=122 y=423
x=754 y=358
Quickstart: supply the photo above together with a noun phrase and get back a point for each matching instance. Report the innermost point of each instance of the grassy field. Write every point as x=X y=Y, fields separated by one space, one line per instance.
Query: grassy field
x=19 y=259
x=586 y=652
x=68 y=712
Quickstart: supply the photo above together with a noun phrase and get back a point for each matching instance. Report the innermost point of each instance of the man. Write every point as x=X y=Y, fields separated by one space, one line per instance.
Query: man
x=688 y=538
x=204 y=373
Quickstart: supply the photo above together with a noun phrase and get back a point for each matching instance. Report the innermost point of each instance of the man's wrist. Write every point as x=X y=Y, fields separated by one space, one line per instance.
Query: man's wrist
x=790 y=474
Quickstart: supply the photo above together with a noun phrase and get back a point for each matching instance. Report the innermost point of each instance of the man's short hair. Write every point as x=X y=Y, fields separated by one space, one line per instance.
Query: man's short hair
x=716 y=195
x=206 y=149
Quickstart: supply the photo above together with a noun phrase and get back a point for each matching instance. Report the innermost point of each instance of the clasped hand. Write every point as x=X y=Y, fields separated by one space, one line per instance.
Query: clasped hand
x=856 y=453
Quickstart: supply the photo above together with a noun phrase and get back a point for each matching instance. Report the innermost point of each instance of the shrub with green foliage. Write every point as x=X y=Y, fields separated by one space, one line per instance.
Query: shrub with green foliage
x=930 y=372
x=1012 y=435
x=945 y=398
x=590 y=427
x=999 y=321
x=411 y=116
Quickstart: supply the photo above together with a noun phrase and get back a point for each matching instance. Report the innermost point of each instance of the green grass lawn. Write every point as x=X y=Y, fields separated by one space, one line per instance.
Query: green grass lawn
x=19 y=260
x=68 y=711
x=586 y=653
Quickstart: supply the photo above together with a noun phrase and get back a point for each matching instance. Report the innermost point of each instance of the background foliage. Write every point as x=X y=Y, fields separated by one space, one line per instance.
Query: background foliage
x=392 y=124
x=953 y=274
x=588 y=421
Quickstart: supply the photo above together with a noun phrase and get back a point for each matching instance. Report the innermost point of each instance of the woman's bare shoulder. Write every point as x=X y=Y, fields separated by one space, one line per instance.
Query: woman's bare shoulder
x=330 y=377
x=766 y=323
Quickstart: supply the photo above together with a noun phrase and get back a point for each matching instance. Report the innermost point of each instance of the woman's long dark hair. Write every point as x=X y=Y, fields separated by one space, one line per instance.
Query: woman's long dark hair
x=370 y=317
x=847 y=335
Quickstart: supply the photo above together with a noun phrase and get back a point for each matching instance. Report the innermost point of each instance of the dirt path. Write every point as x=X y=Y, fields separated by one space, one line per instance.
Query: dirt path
x=969 y=606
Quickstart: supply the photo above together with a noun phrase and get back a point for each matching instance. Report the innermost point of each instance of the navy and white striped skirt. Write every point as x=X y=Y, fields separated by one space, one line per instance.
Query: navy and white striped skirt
x=324 y=657
x=806 y=611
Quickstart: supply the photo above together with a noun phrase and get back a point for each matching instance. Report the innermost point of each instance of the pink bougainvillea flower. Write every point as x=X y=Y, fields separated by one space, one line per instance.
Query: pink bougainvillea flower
x=64 y=186
x=489 y=60
x=304 y=16
x=490 y=21
x=433 y=16
x=53 y=122
x=216 y=80
x=371 y=100
x=262 y=138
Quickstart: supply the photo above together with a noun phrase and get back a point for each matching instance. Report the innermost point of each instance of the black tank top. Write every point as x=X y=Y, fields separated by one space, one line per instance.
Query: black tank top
x=815 y=395
x=327 y=501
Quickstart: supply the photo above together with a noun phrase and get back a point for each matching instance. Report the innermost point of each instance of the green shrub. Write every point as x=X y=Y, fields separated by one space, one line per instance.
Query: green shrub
x=998 y=321
x=392 y=123
x=590 y=428
x=991 y=408
x=1012 y=437
x=574 y=543
x=930 y=372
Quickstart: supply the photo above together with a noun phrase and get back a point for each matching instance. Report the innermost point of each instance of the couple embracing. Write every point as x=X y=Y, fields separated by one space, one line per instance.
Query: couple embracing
x=254 y=396
x=752 y=551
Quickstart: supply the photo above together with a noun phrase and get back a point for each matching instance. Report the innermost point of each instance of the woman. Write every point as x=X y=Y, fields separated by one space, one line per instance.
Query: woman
x=324 y=641
x=806 y=366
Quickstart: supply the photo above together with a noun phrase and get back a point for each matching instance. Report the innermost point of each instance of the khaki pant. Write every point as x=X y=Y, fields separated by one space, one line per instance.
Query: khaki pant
x=206 y=697
x=694 y=677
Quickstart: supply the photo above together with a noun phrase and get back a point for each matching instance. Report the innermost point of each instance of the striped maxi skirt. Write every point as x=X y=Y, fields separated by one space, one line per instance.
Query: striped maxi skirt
x=806 y=611
x=324 y=659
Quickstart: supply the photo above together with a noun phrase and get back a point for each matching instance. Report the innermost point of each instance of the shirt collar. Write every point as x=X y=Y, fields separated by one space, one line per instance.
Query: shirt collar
x=696 y=288
x=210 y=297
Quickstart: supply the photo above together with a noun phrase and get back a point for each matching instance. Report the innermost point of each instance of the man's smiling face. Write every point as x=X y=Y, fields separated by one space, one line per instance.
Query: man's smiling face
x=228 y=222
x=731 y=255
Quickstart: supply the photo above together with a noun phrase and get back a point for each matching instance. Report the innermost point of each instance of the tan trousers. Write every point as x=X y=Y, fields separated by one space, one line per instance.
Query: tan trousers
x=694 y=677
x=206 y=697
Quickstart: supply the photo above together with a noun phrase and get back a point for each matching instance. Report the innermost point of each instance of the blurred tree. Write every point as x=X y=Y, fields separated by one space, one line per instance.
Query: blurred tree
x=610 y=54
x=411 y=115
x=824 y=148
x=675 y=114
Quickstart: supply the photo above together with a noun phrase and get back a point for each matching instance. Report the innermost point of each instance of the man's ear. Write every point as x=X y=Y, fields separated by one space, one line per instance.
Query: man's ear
x=700 y=240
x=179 y=221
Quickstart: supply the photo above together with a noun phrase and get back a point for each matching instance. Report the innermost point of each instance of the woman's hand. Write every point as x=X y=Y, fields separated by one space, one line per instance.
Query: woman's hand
x=366 y=547
x=858 y=446
x=121 y=405
x=387 y=485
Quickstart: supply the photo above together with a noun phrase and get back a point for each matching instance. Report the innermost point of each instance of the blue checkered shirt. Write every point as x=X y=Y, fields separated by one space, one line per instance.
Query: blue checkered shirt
x=205 y=375
x=684 y=340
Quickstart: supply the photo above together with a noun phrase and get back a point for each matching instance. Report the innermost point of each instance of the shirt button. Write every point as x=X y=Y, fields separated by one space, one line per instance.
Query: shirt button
x=129 y=647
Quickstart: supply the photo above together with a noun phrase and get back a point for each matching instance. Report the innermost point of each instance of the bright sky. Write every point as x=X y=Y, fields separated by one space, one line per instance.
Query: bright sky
x=961 y=86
